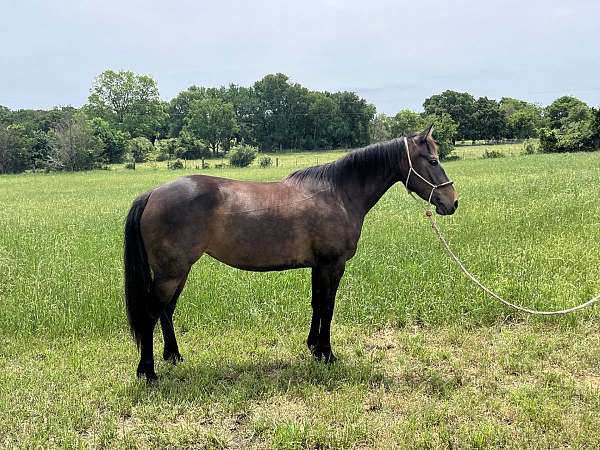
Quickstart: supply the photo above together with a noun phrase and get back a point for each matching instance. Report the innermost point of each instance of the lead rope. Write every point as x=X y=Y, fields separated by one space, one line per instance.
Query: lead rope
x=473 y=278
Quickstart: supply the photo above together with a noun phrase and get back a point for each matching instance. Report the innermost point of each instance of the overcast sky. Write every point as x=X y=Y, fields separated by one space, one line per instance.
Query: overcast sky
x=394 y=53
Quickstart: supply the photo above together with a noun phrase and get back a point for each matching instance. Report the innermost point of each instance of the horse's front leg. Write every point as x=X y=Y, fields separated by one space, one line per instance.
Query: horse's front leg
x=325 y=281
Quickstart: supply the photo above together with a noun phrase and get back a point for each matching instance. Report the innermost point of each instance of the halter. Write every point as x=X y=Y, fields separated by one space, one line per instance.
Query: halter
x=412 y=170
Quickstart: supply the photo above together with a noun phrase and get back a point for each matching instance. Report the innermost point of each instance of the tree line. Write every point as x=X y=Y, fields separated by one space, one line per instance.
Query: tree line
x=125 y=121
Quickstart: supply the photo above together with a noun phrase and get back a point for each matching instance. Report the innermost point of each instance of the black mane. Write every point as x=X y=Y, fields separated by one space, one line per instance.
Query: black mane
x=361 y=163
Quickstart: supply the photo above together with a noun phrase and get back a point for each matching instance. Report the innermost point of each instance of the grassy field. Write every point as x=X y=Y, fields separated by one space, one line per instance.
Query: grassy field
x=425 y=361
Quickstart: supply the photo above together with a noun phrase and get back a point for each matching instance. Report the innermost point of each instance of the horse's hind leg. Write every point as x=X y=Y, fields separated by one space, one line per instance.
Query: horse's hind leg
x=164 y=289
x=171 y=350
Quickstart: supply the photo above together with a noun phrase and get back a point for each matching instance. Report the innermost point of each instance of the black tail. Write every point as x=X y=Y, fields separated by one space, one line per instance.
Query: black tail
x=138 y=279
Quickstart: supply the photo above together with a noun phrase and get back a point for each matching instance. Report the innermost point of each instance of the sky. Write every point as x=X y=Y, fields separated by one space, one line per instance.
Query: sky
x=393 y=53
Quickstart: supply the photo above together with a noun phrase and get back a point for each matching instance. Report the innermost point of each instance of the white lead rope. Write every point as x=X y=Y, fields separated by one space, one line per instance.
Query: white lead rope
x=472 y=277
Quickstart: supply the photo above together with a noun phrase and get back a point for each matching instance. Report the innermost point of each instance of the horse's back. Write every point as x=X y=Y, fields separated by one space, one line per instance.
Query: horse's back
x=249 y=225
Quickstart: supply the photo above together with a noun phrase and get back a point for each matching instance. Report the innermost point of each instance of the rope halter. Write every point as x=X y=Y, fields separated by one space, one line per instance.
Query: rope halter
x=412 y=170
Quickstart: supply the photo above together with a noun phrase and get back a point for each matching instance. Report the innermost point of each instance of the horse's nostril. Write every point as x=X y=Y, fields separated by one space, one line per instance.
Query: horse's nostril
x=456 y=203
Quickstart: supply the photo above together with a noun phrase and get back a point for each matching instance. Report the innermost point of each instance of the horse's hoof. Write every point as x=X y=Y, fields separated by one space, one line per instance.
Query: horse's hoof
x=147 y=370
x=321 y=354
x=172 y=355
x=329 y=358
x=175 y=357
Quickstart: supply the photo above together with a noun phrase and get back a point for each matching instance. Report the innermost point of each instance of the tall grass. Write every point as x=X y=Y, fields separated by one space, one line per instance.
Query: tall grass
x=528 y=226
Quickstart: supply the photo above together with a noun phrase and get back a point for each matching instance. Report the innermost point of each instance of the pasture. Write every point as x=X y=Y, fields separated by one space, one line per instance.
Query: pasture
x=424 y=359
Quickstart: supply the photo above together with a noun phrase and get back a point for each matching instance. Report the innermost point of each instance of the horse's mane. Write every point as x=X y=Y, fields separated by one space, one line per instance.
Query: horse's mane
x=360 y=163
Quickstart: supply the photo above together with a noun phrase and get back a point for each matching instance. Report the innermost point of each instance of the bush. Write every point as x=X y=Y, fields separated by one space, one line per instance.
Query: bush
x=530 y=147
x=167 y=149
x=451 y=157
x=490 y=154
x=74 y=146
x=265 y=161
x=140 y=149
x=14 y=154
x=177 y=164
x=242 y=155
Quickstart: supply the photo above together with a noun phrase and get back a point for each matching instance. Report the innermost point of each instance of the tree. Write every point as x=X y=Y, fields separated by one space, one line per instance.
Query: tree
x=14 y=151
x=325 y=120
x=488 y=122
x=74 y=146
x=355 y=116
x=179 y=108
x=213 y=121
x=127 y=101
x=445 y=130
x=140 y=149
x=114 y=141
x=523 y=119
x=557 y=113
x=193 y=148
x=381 y=128
x=406 y=122
x=460 y=106
x=272 y=118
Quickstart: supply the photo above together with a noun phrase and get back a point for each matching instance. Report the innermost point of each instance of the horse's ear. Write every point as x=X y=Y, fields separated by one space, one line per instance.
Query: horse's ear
x=427 y=132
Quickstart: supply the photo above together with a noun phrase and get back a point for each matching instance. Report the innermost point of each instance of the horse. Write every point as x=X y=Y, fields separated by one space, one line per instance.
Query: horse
x=310 y=219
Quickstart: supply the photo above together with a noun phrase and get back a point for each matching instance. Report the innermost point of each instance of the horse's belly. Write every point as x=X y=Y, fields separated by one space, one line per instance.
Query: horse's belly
x=261 y=246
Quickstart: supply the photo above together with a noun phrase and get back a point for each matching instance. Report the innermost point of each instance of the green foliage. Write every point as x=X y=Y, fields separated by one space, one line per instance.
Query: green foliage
x=167 y=149
x=14 y=151
x=445 y=130
x=548 y=140
x=380 y=128
x=140 y=149
x=491 y=154
x=242 y=155
x=460 y=106
x=572 y=127
x=74 y=146
x=406 y=122
x=265 y=161
x=565 y=109
x=213 y=121
x=487 y=120
x=193 y=148
x=128 y=102
x=176 y=165
x=114 y=141
x=530 y=147
x=522 y=119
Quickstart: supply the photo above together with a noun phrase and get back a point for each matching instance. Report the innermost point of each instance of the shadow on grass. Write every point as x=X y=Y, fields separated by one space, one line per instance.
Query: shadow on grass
x=234 y=383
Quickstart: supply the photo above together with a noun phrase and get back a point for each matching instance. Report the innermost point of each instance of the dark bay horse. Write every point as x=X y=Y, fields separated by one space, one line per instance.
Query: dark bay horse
x=312 y=218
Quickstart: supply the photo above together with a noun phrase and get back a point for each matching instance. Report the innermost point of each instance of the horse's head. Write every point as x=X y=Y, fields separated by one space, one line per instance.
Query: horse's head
x=425 y=175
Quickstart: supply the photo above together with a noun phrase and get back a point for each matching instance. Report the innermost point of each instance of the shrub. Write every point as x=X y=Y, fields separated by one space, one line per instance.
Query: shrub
x=140 y=149
x=451 y=157
x=129 y=161
x=265 y=161
x=490 y=154
x=177 y=164
x=74 y=146
x=167 y=149
x=242 y=155
x=530 y=147
x=14 y=154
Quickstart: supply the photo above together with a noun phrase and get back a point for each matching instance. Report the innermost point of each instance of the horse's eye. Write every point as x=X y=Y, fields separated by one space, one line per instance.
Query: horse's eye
x=433 y=162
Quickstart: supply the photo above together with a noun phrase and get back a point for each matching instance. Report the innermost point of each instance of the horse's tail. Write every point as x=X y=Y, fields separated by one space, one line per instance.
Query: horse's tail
x=138 y=279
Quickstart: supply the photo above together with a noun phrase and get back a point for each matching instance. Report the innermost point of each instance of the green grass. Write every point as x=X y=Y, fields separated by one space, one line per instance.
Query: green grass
x=424 y=359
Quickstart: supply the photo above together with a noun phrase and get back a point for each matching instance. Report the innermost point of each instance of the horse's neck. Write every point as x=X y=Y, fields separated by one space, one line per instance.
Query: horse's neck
x=362 y=192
